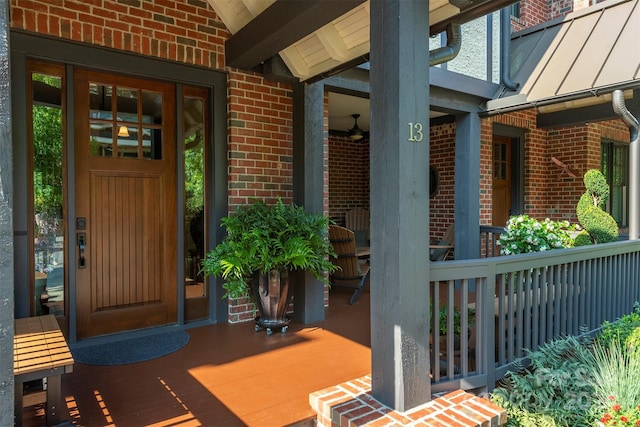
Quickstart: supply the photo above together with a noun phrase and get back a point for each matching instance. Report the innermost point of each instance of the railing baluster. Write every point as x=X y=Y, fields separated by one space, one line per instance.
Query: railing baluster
x=537 y=339
x=523 y=301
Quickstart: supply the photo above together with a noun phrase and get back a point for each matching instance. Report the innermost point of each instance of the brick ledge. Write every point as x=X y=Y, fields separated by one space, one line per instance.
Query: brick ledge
x=350 y=404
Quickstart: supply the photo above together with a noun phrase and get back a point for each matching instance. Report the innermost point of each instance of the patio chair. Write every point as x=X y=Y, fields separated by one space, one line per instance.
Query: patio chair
x=351 y=272
x=357 y=219
x=439 y=250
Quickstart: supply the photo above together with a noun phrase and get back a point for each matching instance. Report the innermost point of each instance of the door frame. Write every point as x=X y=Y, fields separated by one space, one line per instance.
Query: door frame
x=25 y=47
x=517 y=136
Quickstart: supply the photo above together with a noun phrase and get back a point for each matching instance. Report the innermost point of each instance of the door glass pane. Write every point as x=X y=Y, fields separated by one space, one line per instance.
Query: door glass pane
x=151 y=107
x=127 y=141
x=48 y=196
x=101 y=140
x=194 y=207
x=152 y=143
x=101 y=115
x=128 y=105
x=100 y=101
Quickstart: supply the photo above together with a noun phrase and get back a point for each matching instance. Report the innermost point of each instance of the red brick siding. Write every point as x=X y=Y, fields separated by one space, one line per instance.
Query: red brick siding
x=486 y=171
x=260 y=140
x=442 y=157
x=348 y=176
x=534 y=12
x=186 y=31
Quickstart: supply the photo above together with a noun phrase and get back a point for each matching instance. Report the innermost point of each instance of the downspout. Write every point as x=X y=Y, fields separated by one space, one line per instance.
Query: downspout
x=620 y=109
x=450 y=50
x=505 y=36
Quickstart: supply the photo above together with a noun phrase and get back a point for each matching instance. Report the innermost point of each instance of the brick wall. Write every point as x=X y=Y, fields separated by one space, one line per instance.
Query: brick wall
x=188 y=31
x=348 y=176
x=260 y=140
x=181 y=30
x=442 y=157
x=534 y=12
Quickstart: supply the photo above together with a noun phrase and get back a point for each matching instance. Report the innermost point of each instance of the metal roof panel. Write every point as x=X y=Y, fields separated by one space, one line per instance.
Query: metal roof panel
x=624 y=60
x=587 y=54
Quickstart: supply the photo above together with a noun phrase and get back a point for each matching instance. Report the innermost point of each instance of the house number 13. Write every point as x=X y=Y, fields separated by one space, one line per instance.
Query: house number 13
x=415 y=132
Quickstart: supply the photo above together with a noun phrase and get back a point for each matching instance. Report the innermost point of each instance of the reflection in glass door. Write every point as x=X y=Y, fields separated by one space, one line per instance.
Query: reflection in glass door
x=194 y=134
x=48 y=195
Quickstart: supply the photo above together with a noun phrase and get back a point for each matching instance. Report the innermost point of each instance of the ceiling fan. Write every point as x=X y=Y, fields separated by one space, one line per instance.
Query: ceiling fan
x=355 y=133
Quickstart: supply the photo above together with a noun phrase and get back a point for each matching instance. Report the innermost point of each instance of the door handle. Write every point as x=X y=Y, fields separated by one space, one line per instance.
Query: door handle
x=82 y=241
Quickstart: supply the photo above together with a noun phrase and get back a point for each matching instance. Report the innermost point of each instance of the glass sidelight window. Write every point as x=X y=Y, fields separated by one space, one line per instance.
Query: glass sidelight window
x=48 y=185
x=194 y=133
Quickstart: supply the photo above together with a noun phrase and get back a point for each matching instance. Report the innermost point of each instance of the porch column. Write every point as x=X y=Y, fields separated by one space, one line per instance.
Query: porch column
x=400 y=202
x=309 y=153
x=466 y=193
x=6 y=227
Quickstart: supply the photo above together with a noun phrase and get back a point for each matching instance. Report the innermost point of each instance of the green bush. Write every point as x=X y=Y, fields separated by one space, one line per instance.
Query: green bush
x=524 y=234
x=556 y=390
x=578 y=382
x=600 y=226
x=625 y=330
x=582 y=239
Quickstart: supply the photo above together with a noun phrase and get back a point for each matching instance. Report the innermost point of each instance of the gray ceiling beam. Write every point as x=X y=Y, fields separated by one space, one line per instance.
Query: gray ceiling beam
x=354 y=81
x=279 y=26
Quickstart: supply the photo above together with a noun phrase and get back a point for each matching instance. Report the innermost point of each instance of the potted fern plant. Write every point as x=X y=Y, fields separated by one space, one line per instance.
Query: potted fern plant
x=263 y=245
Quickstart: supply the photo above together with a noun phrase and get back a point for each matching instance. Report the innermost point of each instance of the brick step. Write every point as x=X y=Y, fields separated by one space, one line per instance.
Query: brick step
x=351 y=404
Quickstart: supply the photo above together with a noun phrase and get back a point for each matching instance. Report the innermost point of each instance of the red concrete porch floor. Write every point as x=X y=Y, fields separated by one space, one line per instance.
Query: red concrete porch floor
x=227 y=375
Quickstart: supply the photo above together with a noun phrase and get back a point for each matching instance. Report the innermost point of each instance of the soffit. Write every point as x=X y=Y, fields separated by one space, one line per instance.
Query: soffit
x=576 y=61
x=344 y=39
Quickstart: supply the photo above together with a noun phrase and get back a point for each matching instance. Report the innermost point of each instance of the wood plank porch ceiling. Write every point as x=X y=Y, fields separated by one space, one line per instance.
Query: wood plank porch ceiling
x=318 y=37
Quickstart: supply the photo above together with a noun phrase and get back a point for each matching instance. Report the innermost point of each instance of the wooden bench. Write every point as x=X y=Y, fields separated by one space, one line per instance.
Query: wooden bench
x=40 y=351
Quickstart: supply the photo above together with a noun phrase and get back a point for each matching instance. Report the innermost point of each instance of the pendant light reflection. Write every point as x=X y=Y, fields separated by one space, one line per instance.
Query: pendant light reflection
x=123 y=132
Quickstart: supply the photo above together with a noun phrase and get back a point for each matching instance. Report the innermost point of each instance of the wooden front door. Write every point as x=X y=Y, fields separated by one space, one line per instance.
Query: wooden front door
x=501 y=180
x=125 y=196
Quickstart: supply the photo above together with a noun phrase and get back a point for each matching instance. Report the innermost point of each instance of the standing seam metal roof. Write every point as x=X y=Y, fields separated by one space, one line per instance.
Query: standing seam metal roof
x=586 y=54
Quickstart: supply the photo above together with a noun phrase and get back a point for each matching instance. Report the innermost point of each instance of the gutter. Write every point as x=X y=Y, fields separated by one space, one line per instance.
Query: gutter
x=621 y=110
x=505 y=64
x=450 y=50
x=519 y=102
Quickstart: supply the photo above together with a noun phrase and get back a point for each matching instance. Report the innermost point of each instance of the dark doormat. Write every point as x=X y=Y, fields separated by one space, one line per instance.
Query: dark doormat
x=131 y=350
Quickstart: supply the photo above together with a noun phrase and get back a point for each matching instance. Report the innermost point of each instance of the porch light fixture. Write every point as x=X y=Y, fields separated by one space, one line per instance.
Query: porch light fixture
x=355 y=132
x=123 y=132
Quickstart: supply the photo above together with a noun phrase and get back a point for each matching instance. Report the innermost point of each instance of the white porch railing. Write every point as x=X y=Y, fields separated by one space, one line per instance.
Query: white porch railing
x=523 y=301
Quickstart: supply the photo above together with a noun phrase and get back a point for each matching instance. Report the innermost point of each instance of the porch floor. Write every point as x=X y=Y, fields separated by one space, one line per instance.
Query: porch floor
x=227 y=375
